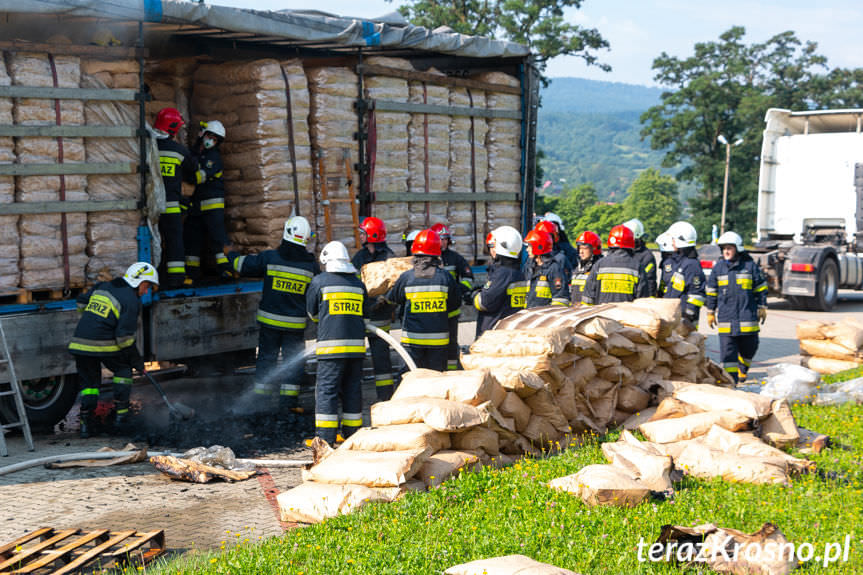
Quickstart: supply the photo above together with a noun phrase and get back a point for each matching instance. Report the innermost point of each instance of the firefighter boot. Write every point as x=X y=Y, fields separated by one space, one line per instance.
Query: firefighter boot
x=87 y=425
x=122 y=425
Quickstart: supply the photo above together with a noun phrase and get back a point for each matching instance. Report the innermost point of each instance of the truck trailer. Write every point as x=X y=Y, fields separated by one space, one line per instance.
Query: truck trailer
x=329 y=117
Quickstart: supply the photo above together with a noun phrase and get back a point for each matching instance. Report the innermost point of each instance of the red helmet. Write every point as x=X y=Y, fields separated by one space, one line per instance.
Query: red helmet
x=169 y=120
x=489 y=240
x=548 y=227
x=441 y=230
x=591 y=239
x=375 y=229
x=427 y=243
x=621 y=237
x=539 y=242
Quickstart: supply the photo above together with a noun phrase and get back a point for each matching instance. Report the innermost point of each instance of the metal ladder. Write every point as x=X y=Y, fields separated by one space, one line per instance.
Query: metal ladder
x=15 y=391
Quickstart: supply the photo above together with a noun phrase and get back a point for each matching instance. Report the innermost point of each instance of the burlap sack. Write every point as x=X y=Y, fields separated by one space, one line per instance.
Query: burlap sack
x=581 y=371
x=636 y=316
x=537 y=341
x=708 y=397
x=513 y=406
x=671 y=408
x=540 y=365
x=631 y=399
x=827 y=366
x=543 y=404
x=444 y=464
x=636 y=419
x=779 y=429
x=603 y=485
x=618 y=374
x=541 y=432
x=507 y=565
x=701 y=461
x=828 y=349
x=369 y=468
x=472 y=387
x=847 y=333
x=619 y=346
x=565 y=399
x=643 y=359
x=379 y=277
x=747 y=444
x=584 y=346
x=439 y=414
x=477 y=438
x=692 y=426
x=404 y=437
x=811 y=329
x=522 y=383
x=598 y=328
x=642 y=460
x=314 y=502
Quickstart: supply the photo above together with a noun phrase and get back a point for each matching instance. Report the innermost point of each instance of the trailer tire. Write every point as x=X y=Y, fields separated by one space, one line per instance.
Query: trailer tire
x=47 y=400
x=826 y=287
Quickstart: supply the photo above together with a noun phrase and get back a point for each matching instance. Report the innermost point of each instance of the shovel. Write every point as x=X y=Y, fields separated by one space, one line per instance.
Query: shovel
x=177 y=410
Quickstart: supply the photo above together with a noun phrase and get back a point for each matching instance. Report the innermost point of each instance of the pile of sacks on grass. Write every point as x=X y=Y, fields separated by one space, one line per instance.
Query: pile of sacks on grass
x=831 y=347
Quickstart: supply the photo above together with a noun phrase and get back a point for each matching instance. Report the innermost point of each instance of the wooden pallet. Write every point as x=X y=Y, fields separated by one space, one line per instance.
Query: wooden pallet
x=59 y=551
x=29 y=296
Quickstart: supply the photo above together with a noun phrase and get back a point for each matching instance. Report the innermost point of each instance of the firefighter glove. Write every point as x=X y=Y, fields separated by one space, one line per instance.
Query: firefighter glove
x=380 y=304
x=762 y=314
x=711 y=318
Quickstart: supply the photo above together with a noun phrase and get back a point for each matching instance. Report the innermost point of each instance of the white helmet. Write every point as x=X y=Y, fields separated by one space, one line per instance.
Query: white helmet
x=412 y=236
x=666 y=242
x=141 y=272
x=507 y=241
x=297 y=230
x=553 y=217
x=684 y=234
x=334 y=257
x=636 y=226
x=733 y=239
x=214 y=127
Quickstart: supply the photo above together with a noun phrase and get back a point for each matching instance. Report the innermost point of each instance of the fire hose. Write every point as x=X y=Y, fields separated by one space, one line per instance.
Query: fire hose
x=393 y=344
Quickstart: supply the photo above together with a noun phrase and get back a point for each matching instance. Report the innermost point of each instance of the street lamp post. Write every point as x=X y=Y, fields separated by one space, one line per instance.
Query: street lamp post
x=722 y=140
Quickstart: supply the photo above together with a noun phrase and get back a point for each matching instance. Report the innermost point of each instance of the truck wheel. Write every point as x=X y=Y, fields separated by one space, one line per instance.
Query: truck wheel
x=47 y=399
x=826 y=287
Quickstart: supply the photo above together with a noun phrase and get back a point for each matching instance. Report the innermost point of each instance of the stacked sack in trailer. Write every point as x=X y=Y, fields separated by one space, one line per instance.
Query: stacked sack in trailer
x=9 y=250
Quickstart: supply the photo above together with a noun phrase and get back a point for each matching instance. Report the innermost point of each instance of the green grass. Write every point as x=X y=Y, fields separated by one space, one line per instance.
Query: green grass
x=499 y=512
x=843 y=375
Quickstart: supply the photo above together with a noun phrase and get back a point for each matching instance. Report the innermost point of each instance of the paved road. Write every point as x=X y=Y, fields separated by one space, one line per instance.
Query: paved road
x=200 y=516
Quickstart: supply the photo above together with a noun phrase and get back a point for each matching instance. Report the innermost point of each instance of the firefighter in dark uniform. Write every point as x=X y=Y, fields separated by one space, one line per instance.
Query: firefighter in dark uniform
x=589 y=252
x=177 y=165
x=644 y=256
x=667 y=262
x=737 y=298
x=563 y=243
x=373 y=234
x=282 y=312
x=558 y=254
x=687 y=282
x=505 y=292
x=458 y=268
x=105 y=335
x=335 y=300
x=428 y=295
x=408 y=240
x=546 y=282
x=618 y=276
x=207 y=212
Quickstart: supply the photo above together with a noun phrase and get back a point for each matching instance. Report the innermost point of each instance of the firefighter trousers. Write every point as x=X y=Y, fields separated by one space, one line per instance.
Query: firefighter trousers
x=736 y=352
x=212 y=224
x=453 y=352
x=338 y=381
x=282 y=382
x=383 y=366
x=171 y=226
x=427 y=357
x=90 y=379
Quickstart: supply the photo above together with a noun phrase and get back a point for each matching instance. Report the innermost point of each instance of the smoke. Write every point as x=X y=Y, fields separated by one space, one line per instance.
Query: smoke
x=250 y=402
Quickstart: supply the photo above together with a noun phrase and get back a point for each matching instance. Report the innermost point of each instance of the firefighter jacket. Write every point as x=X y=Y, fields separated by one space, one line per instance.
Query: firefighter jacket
x=287 y=272
x=382 y=316
x=336 y=302
x=563 y=262
x=546 y=282
x=210 y=190
x=459 y=269
x=177 y=166
x=428 y=295
x=687 y=283
x=616 y=277
x=735 y=290
x=109 y=320
x=503 y=294
x=648 y=266
x=570 y=252
x=579 y=278
x=666 y=269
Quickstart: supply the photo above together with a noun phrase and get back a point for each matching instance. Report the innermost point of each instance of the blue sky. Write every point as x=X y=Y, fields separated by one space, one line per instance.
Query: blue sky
x=639 y=30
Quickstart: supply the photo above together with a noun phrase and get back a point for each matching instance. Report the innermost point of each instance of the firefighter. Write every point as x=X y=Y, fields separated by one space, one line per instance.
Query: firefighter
x=563 y=241
x=643 y=255
x=408 y=240
x=428 y=295
x=558 y=254
x=335 y=300
x=589 y=252
x=546 y=282
x=667 y=259
x=458 y=268
x=617 y=276
x=207 y=212
x=505 y=291
x=177 y=165
x=373 y=235
x=287 y=272
x=105 y=335
x=687 y=281
x=737 y=298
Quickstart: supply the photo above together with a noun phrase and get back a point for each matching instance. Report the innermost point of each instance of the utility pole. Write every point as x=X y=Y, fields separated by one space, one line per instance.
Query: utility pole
x=723 y=140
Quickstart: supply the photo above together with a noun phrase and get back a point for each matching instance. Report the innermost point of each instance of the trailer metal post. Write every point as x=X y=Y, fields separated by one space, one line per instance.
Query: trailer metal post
x=362 y=168
x=530 y=106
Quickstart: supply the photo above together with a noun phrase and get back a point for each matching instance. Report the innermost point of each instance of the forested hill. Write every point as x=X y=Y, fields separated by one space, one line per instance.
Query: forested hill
x=589 y=131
